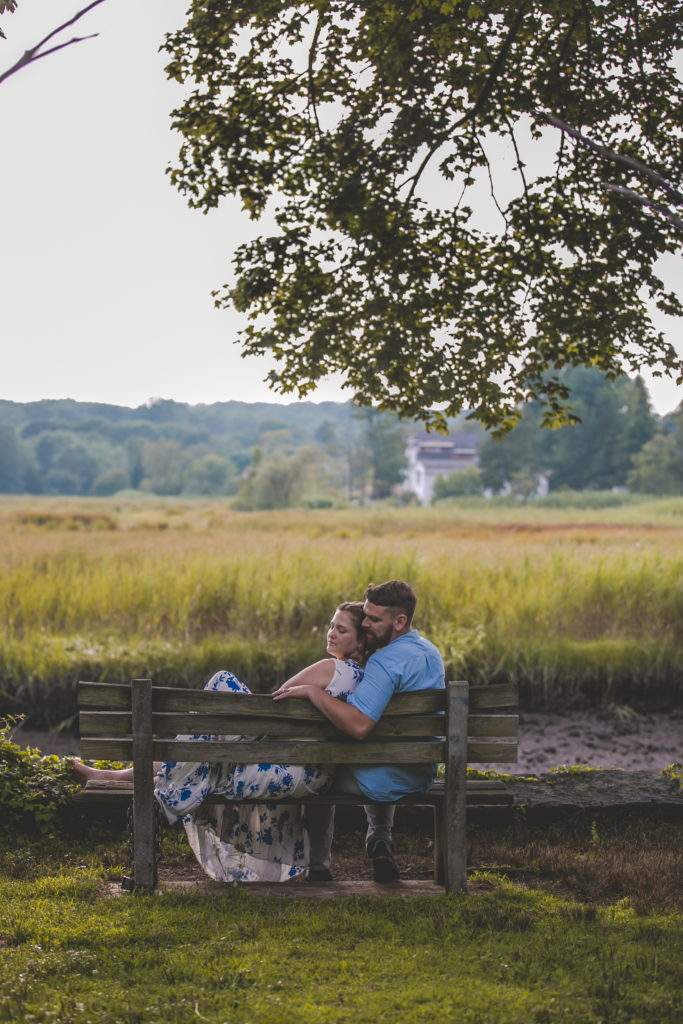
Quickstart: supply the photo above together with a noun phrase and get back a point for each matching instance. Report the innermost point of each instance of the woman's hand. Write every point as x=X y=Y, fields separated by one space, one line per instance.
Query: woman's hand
x=302 y=691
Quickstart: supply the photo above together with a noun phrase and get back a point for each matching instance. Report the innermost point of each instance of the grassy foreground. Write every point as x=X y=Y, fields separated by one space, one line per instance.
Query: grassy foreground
x=576 y=606
x=587 y=932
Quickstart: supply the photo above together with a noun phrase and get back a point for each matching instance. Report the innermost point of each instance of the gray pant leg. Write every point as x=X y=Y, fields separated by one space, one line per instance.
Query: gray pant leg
x=380 y=821
x=320 y=821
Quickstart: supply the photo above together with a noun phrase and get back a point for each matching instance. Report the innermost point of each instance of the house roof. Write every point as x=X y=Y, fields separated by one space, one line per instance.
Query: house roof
x=435 y=445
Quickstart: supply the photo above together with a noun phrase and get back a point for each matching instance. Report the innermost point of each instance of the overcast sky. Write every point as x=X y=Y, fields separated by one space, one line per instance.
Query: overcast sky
x=105 y=274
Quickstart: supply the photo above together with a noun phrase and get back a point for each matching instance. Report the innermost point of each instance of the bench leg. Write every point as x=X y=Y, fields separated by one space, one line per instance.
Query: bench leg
x=454 y=838
x=144 y=818
x=439 y=867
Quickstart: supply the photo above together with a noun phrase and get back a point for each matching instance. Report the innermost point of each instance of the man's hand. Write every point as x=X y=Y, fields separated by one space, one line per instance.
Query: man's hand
x=344 y=716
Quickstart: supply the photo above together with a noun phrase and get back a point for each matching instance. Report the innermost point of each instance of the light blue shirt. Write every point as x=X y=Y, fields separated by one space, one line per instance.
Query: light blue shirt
x=409 y=663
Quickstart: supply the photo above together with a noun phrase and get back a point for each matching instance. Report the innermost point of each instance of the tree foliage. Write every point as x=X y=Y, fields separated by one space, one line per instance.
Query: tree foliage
x=658 y=467
x=372 y=133
x=596 y=454
x=6 y=6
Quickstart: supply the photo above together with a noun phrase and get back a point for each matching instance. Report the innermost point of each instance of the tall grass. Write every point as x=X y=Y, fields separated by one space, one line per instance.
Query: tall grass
x=572 y=611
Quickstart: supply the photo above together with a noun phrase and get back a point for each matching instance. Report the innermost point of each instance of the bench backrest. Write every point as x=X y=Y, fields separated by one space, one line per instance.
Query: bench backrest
x=118 y=718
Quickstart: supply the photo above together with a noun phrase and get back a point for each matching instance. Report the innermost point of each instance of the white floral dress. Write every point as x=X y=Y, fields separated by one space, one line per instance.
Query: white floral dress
x=247 y=842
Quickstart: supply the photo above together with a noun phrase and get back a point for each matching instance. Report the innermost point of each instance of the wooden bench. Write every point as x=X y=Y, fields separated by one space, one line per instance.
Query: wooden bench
x=139 y=722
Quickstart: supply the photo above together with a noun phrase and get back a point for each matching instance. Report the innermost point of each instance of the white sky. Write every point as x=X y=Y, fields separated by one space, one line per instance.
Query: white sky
x=105 y=274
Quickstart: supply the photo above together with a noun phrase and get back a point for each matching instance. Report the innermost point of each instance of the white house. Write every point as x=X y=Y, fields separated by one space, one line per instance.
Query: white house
x=433 y=455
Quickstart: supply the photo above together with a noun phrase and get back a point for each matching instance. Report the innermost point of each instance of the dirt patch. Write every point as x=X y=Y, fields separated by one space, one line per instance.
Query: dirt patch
x=615 y=738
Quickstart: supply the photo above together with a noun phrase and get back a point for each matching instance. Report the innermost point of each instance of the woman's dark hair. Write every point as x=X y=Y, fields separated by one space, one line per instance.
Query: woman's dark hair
x=394 y=594
x=354 y=609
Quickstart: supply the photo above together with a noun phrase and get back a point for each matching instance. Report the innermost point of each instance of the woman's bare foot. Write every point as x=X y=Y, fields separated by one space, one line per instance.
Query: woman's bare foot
x=85 y=772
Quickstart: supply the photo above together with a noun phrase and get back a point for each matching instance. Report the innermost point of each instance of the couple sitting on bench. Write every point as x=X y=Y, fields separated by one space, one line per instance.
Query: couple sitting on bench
x=375 y=654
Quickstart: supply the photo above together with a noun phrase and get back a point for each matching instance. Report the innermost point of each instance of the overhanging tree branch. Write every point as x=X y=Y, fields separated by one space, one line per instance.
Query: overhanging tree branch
x=608 y=154
x=630 y=193
x=33 y=54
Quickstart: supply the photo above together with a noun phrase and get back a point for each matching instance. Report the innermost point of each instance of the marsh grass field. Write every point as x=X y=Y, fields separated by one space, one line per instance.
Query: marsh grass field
x=580 y=607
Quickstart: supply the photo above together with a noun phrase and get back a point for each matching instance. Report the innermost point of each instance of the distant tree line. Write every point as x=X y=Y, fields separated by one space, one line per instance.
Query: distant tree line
x=619 y=443
x=263 y=455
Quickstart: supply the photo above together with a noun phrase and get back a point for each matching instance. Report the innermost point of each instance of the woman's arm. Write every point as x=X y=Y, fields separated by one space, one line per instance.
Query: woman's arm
x=321 y=675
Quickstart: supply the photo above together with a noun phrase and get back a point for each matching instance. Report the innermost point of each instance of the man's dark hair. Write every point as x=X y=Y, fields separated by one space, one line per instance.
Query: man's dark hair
x=394 y=594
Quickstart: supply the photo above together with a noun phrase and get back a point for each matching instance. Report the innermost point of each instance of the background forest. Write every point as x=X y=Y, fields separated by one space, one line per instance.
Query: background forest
x=266 y=455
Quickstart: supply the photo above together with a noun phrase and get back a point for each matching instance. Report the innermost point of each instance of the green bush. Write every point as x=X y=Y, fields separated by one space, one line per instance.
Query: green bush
x=33 y=787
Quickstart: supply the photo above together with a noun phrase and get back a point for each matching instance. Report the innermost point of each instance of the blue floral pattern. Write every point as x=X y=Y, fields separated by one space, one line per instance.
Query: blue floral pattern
x=247 y=842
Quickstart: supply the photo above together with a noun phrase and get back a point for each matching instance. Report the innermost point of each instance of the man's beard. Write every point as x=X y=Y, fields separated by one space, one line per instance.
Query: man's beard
x=374 y=643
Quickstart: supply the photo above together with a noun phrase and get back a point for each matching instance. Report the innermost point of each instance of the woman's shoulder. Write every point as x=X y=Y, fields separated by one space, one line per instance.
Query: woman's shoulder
x=347 y=676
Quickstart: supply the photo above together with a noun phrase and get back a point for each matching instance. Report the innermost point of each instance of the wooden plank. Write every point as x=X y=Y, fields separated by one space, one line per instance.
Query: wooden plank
x=491 y=752
x=291 y=752
x=172 y=723
x=298 y=752
x=254 y=704
x=144 y=869
x=479 y=792
x=474 y=786
x=104 y=695
x=169 y=723
x=492 y=725
x=117 y=695
x=105 y=723
x=453 y=833
x=270 y=752
x=493 y=695
x=115 y=748
x=166 y=698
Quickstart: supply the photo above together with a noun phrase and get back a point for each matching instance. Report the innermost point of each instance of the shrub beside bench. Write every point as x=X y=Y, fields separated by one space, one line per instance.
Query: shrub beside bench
x=140 y=722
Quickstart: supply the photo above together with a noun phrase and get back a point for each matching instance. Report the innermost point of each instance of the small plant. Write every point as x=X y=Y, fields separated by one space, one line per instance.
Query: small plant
x=34 y=787
x=674 y=772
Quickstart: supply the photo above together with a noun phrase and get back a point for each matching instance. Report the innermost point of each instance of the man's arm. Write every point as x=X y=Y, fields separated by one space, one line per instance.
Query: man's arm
x=344 y=716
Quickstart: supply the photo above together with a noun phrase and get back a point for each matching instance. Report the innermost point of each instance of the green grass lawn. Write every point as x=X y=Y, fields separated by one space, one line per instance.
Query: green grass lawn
x=536 y=949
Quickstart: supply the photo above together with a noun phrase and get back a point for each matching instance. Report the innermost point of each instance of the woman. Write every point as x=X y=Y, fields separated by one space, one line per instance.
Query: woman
x=260 y=841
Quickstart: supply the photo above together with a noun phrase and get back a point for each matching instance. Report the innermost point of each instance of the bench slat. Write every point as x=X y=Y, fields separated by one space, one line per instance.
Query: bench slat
x=479 y=792
x=167 y=698
x=104 y=695
x=283 y=752
x=170 y=723
x=280 y=752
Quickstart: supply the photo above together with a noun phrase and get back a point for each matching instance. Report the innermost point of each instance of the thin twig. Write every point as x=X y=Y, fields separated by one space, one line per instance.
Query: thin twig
x=32 y=55
x=491 y=79
x=491 y=185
